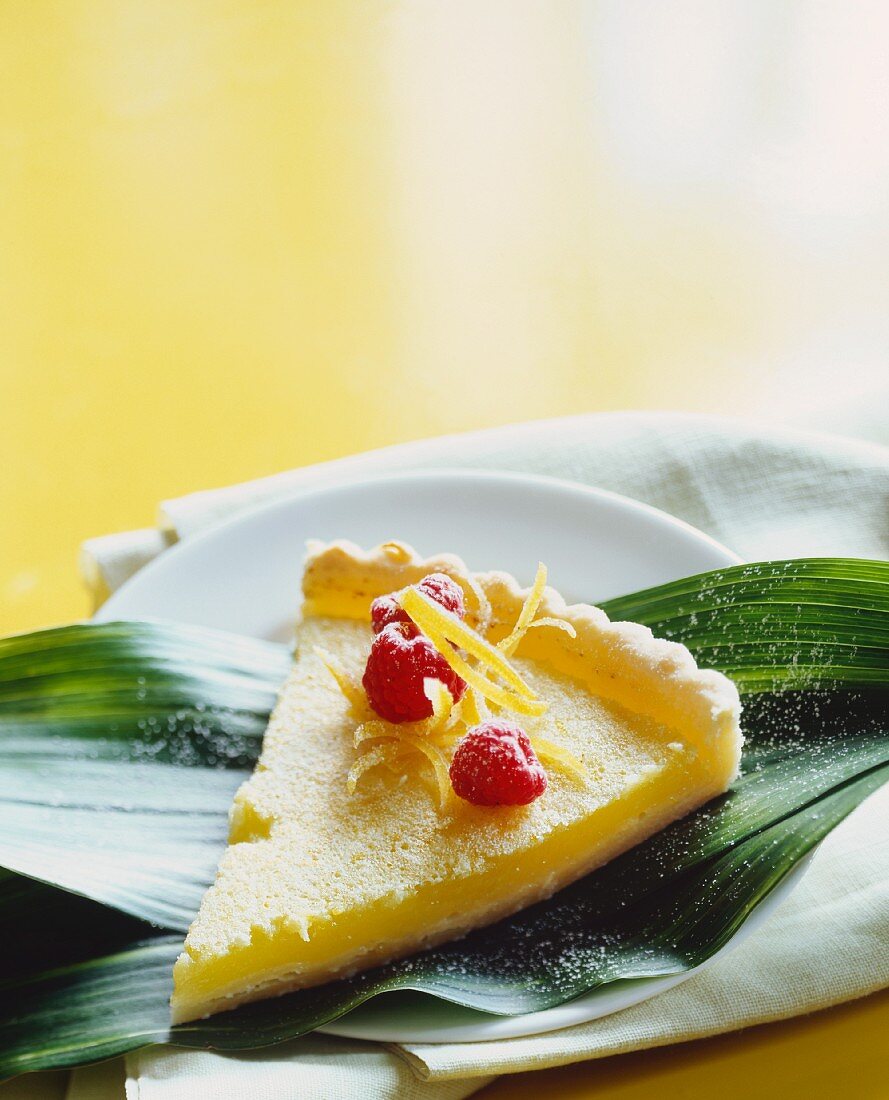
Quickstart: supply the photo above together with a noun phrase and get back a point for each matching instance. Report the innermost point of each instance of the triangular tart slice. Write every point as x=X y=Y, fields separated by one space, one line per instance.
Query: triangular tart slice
x=334 y=868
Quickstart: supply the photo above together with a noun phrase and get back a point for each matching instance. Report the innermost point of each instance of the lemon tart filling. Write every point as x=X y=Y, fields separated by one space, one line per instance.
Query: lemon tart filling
x=335 y=865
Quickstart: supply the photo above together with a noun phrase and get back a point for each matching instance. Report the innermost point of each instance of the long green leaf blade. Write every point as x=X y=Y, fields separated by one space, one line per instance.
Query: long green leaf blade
x=806 y=624
x=120 y=747
x=118 y=1002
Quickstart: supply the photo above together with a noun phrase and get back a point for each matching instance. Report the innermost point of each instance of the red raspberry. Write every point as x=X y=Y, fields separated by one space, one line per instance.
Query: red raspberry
x=495 y=765
x=400 y=660
x=446 y=593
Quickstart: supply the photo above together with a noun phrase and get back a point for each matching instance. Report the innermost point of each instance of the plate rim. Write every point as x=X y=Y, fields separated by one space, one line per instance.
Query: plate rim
x=244 y=516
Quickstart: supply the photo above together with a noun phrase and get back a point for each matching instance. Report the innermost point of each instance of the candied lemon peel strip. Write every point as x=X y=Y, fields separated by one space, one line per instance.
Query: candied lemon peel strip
x=561 y=759
x=425 y=612
x=560 y=624
x=437 y=759
x=398 y=741
x=374 y=756
x=442 y=628
x=527 y=619
x=484 y=611
x=471 y=710
x=526 y=616
x=346 y=682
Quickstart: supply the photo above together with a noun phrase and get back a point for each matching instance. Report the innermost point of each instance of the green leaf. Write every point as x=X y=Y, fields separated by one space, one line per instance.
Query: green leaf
x=811 y=623
x=117 y=1002
x=808 y=642
x=121 y=746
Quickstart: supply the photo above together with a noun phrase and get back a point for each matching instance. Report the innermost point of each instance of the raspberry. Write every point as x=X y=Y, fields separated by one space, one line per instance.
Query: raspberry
x=495 y=765
x=400 y=660
x=446 y=593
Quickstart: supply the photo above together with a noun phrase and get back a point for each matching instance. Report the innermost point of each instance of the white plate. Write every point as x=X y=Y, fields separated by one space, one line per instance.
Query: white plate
x=243 y=575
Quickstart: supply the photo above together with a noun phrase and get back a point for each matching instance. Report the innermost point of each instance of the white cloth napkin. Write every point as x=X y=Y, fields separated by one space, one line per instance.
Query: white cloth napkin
x=314 y=1068
x=764 y=493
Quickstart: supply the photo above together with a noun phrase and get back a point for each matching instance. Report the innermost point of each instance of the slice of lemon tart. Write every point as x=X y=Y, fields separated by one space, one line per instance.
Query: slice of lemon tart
x=448 y=749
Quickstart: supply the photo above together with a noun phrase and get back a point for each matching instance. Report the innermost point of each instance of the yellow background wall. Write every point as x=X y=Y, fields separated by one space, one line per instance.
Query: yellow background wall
x=239 y=236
